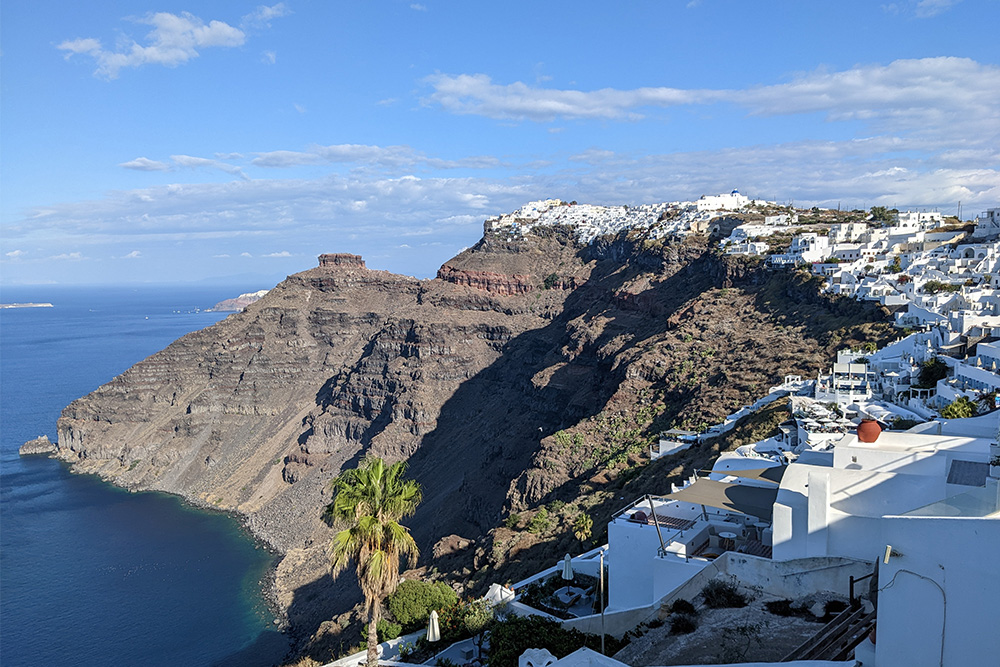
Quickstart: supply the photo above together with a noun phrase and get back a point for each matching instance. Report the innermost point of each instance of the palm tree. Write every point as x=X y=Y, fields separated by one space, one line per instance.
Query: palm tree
x=369 y=501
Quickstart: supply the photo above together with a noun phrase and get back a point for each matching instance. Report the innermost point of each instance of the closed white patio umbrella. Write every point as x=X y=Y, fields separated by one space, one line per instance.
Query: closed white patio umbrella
x=567 y=572
x=433 y=629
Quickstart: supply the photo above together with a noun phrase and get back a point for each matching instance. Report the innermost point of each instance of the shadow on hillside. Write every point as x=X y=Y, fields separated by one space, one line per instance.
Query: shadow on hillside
x=489 y=430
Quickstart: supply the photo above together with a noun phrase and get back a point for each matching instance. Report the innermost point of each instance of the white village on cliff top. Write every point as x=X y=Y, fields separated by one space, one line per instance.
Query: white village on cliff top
x=882 y=490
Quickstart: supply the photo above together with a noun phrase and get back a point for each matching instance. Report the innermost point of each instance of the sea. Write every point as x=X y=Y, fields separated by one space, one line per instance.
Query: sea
x=91 y=574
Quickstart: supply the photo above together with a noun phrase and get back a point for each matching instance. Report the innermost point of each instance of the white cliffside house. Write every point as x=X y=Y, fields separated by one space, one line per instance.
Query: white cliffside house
x=925 y=507
x=987 y=224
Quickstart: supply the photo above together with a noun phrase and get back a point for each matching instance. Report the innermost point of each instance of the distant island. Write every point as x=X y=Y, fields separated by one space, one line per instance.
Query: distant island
x=25 y=305
x=237 y=304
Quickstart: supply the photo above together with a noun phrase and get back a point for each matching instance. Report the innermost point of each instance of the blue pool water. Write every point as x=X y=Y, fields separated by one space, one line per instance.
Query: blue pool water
x=91 y=574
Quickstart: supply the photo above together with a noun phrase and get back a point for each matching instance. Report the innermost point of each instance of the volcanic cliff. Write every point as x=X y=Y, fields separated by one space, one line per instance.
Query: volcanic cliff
x=470 y=376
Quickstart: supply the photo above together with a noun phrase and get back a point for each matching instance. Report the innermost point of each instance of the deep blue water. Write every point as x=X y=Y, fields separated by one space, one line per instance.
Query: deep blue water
x=91 y=574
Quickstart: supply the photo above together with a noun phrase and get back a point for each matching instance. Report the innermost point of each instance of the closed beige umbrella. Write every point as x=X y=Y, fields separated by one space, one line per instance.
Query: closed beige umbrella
x=567 y=572
x=433 y=630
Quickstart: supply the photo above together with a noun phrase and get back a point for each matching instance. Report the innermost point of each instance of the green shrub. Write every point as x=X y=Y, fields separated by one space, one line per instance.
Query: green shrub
x=683 y=606
x=540 y=522
x=514 y=635
x=387 y=630
x=719 y=593
x=682 y=624
x=513 y=520
x=931 y=371
x=583 y=527
x=960 y=408
x=412 y=601
x=935 y=286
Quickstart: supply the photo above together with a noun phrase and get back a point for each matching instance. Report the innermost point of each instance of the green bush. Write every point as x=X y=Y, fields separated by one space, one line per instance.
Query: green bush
x=682 y=624
x=514 y=635
x=513 y=520
x=935 y=286
x=931 y=371
x=719 y=593
x=412 y=601
x=556 y=506
x=960 y=408
x=583 y=527
x=683 y=606
x=387 y=630
x=540 y=522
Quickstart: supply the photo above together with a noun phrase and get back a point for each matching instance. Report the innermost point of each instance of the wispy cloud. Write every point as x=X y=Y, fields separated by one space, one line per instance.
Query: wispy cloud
x=283 y=253
x=417 y=7
x=366 y=154
x=912 y=92
x=928 y=8
x=263 y=15
x=198 y=162
x=174 y=40
x=68 y=256
x=16 y=254
x=145 y=164
x=135 y=254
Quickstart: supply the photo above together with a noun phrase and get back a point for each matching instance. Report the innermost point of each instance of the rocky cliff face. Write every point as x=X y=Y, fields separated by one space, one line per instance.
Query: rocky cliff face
x=468 y=376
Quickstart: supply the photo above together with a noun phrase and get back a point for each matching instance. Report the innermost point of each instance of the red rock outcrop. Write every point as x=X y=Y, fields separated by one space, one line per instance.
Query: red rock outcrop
x=488 y=281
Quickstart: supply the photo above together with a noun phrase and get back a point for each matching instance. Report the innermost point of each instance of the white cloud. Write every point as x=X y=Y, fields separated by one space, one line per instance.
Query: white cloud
x=68 y=255
x=905 y=94
x=262 y=16
x=283 y=253
x=268 y=57
x=145 y=164
x=16 y=254
x=174 y=40
x=135 y=254
x=382 y=156
x=222 y=256
x=193 y=162
x=418 y=7
x=299 y=108
x=929 y=8
x=245 y=254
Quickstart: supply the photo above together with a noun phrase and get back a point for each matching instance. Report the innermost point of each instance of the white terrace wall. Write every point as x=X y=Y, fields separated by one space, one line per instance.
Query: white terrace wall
x=939 y=600
x=795 y=578
x=637 y=576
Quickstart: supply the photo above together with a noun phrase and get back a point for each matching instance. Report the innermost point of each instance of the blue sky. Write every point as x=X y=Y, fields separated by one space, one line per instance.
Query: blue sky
x=158 y=141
